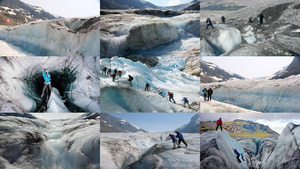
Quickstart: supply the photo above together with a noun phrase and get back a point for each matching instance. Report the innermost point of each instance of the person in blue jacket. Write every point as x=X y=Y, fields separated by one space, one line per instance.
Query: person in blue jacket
x=47 y=83
x=174 y=141
x=185 y=101
x=209 y=23
x=237 y=155
x=180 y=137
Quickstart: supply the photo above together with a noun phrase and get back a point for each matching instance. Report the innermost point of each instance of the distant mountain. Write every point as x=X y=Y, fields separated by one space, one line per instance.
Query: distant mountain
x=23 y=115
x=126 y=4
x=109 y=123
x=193 y=126
x=292 y=69
x=227 y=5
x=17 y=12
x=194 y=5
x=210 y=72
x=240 y=128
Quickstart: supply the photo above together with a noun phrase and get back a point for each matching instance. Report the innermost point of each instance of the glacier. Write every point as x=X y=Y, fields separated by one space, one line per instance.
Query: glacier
x=75 y=78
x=126 y=33
x=58 y=37
x=147 y=150
x=38 y=143
x=259 y=95
x=167 y=75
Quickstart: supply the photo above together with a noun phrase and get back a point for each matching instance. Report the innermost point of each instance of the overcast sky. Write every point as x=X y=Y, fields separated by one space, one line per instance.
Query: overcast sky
x=69 y=8
x=276 y=121
x=56 y=116
x=168 y=2
x=158 y=122
x=251 y=67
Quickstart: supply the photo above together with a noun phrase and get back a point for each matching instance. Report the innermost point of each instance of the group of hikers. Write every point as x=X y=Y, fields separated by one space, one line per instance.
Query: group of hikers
x=219 y=123
x=180 y=139
x=207 y=93
x=223 y=19
x=147 y=85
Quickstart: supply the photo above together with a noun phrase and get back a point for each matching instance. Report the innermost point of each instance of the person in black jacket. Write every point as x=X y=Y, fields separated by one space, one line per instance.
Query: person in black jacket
x=209 y=93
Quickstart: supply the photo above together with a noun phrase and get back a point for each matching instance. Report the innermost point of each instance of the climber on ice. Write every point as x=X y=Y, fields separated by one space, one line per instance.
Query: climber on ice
x=185 y=101
x=209 y=23
x=113 y=77
x=120 y=73
x=237 y=155
x=242 y=156
x=104 y=70
x=130 y=79
x=204 y=93
x=47 y=83
x=219 y=123
x=174 y=140
x=209 y=93
x=160 y=92
x=261 y=18
x=181 y=139
x=115 y=71
x=171 y=97
x=147 y=87
x=223 y=19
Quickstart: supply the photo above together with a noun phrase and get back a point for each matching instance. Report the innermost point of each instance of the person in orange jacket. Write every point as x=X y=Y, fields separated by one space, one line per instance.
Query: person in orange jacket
x=219 y=123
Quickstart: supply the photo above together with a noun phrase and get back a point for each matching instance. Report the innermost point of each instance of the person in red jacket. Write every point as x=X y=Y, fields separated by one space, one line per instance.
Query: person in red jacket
x=219 y=123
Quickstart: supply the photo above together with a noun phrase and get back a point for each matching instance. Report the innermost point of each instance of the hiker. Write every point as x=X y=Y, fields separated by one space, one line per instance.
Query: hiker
x=223 y=19
x=185 y=101
x=174 y=141
x=209 y=93
x=237 y=155
x=147 y=87
x=209 y=23
x=171 y=97
x=116 y=71
x=120 y=73
x=108 y=72
x=113 y=76
x=181 y=139
x=204 y=93
x=47 y=83
x=250 y=19
x=261 y=18
x=130 y=79
x=104 y=70
x=242 y=156
x=219 y=123
x=160 y=92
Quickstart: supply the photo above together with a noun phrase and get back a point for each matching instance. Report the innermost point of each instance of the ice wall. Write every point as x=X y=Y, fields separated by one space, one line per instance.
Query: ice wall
x=61 y=37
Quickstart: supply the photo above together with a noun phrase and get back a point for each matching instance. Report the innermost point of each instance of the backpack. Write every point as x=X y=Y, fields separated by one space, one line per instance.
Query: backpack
x=130 y=78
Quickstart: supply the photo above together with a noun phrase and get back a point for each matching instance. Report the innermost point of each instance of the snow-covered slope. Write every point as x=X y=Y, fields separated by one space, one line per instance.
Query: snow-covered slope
x=75 y=78
x=260 y=95
x=109 y=123
x=36 y=143
x=60 y=37
x=147 y=150
x=291 y=69
x=150 y=33
x=212 y=73
x=18 y=12
x=167 y=75
x=126 y=4
x=217 y=151
x=193 y=126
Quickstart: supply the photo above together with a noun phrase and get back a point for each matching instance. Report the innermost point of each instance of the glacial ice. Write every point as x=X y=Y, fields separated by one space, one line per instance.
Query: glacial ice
x=60 y=37
x=36 y=143
x=146 y=150
x=259 y=95
x=77 y=78
x=217 y=151
x=167 y=75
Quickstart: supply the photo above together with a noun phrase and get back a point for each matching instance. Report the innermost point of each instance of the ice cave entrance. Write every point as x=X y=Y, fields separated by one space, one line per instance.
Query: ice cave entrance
x=61 y=79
